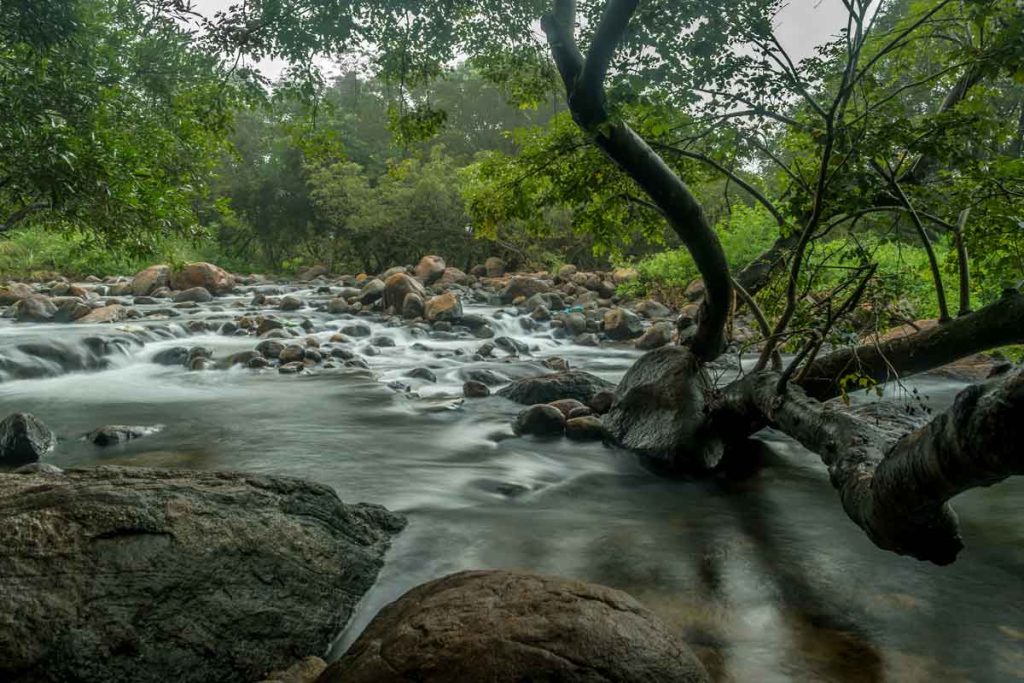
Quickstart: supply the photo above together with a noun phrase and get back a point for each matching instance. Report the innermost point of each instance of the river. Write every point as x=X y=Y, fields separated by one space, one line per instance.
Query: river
x=765 y=576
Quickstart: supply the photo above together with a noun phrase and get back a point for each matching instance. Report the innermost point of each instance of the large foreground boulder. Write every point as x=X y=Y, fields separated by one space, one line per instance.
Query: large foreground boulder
x=503 y=627
x=658 y=411
x=123 y=574
x=575 y=384
x=216 y=280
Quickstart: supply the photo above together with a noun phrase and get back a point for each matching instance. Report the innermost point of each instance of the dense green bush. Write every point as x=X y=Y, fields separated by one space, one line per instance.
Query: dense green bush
x=39 y=253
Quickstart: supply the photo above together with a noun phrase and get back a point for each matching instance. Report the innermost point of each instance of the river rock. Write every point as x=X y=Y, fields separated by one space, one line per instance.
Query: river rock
x=443 y=307
x=290 y=302
x=35 y=309
x=270 y=348
x=104 y=314
x=657 y=335
x=291 y=354
x=650 y=308
x=494 y=267
x=521 y=286
x=567 y=405
x=150 y=279
x=413 y=306
x=130 y=574
x=658 y=411
x=199 y=295
x=109 y=435
x=584 y=428
x=505 y=627
x=337 y=305
x=371 y=292
x=539 y=420
x=621 y=275
x=575 y=384
x=24 y=439
x=474 y=389
x=15 y=292
x=453 y=276
x=422 y=373
x=429 y=269
x=398 y=287
x=214 y=279
x=621 y=324
x=356 y=330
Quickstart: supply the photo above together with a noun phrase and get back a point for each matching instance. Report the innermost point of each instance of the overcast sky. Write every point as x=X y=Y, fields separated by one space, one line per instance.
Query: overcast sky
x=802 y=25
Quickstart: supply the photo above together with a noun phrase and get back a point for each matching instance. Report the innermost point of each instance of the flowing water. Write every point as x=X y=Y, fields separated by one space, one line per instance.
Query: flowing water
x=765 y=576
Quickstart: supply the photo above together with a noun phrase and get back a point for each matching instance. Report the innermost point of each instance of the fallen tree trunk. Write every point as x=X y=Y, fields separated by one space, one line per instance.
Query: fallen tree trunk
x=999 y=324
x=898 y=490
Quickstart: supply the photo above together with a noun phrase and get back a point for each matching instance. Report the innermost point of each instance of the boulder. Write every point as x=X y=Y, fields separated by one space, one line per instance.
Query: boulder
x=429 y=269
x=566 y=271
x=652 y=309
x=453 y=276
x=413 y=306
x=337 y=305
x=24 y=439
x=35 y=309
x=446 y=307
x=505 y=627
x=584 y=428
x=130 y=574
x=657 y=335
x=216 y=280
x=372 y=291
x=539 y=420
x=198 y=295
x=474 y=389
x=290 y=302
x=621 y=324
x=521 y=286
x=109 y=435
x=658 y=411
x=494 y=267
x=694 y=291
x=15 y=292
x=150 y=279
x=399 y=286
x=575 y=384
x=105 y=314
x=312 y=272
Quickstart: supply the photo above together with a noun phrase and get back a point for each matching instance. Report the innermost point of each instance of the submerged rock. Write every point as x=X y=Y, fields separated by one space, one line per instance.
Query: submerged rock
x=24 y=439
x=114 y=434
x=575 y=384
x=130 y=574
x=505 y=627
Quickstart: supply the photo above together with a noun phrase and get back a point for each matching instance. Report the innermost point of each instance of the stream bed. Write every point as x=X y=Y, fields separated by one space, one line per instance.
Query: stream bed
x=766 y=577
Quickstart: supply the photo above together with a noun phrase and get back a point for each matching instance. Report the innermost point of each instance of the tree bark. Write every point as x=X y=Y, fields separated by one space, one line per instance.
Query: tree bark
x=584 y=84
x=1000 y=323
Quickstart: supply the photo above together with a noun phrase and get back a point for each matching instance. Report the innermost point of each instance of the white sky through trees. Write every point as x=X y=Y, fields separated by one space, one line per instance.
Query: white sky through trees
x=801 y=25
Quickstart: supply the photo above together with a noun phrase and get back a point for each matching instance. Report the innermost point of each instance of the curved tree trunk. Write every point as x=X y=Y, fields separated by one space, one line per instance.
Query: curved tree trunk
x=896 y=490
x=999 y=324
x=584 y=85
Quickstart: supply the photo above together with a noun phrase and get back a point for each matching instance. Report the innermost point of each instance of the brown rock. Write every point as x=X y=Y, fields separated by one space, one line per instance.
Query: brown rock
x=453 y=276
x=585 y=428
x=14 y=293
x=494 y=267
x=521 y=286
x=305 y=671
x=694 y=291
x=620 y=275
x=504 y=627
x=397 y=287
x=150 y=279
x=104 y=314
x=215 y=279
x=445 y=306
x=430 y=268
